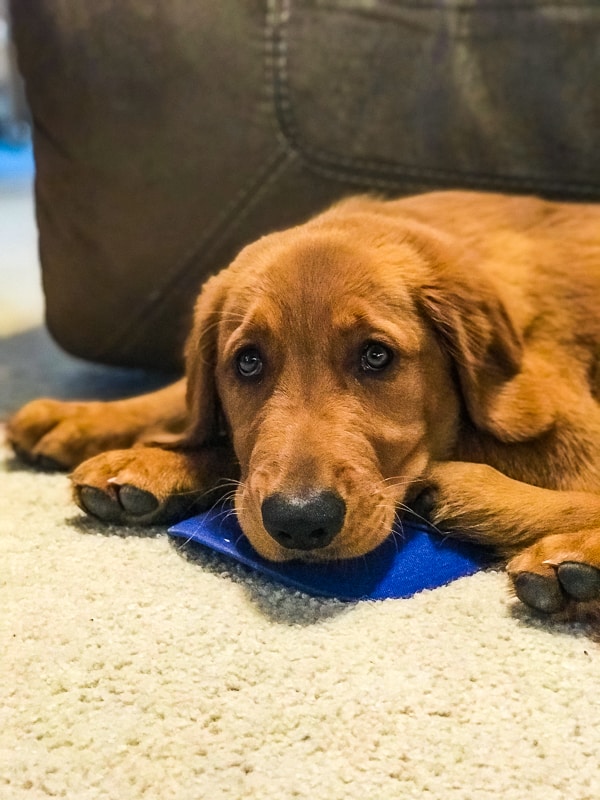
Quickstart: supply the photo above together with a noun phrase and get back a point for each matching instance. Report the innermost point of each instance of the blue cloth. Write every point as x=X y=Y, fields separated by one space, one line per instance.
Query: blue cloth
x=411 y=559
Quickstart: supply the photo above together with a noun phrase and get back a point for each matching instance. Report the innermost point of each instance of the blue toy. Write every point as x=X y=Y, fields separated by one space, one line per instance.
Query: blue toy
x=412 y=558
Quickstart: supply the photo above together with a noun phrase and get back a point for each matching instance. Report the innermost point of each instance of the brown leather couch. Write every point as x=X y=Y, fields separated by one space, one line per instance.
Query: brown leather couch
x=168 y=133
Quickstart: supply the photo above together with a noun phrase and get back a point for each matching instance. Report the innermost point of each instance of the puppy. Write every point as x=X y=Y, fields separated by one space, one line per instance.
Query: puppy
x=439 y=352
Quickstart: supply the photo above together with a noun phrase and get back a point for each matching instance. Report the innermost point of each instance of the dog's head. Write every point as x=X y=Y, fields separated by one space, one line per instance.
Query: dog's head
x=331 y=351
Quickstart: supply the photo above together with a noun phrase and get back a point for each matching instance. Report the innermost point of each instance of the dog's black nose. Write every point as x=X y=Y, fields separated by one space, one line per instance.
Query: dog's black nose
x=304 y=522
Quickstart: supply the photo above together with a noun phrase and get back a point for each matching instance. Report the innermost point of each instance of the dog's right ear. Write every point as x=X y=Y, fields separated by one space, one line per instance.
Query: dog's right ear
x=201 y=362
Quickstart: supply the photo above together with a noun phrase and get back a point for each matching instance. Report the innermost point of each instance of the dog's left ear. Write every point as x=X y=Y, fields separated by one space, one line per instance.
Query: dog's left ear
x=477 y=331
x=204 y=418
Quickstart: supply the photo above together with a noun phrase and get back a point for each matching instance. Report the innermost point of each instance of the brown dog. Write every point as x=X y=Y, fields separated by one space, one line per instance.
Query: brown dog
x=444 y=347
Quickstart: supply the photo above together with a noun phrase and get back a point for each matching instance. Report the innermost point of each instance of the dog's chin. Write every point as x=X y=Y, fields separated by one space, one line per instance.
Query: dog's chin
x=271 y=551
x=341 y=549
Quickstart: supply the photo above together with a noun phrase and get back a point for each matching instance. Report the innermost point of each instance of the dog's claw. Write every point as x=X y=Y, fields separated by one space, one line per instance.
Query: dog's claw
x=540 y=592
x=580 y=581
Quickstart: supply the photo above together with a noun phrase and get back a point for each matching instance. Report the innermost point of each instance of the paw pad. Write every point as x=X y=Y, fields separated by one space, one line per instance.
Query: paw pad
x=541 y=592
x=551 y=593
x=110 y=506
x=580 y=581
x=137 y=501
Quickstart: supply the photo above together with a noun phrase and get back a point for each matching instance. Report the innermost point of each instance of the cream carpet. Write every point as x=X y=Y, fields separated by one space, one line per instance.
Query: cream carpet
x=132 y=669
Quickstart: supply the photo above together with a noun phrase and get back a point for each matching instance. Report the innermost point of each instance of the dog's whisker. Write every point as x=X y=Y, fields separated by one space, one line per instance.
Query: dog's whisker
x=398 y=480
x=422 y=519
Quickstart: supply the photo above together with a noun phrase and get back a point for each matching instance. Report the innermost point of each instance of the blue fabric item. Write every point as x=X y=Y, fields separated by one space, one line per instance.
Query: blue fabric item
x=411 y=559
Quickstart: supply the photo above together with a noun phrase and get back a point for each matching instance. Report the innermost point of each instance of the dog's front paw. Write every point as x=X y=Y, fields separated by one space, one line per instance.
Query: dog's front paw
x=148 y=485
x=560 y=574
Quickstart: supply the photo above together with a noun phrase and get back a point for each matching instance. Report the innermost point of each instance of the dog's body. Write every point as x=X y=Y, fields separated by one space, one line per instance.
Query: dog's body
x=441 y=350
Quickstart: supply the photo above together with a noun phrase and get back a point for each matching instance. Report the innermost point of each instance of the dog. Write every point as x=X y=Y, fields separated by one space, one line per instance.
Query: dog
x=438 y=354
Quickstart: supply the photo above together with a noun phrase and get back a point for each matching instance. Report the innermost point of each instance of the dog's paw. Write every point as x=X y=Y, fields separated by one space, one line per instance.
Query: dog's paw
x=560 y=574
x=52 y=434
x=147 y=485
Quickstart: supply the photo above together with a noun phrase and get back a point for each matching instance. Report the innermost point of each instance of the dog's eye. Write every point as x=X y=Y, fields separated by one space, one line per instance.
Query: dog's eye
x=375 y=357
x=249 y=363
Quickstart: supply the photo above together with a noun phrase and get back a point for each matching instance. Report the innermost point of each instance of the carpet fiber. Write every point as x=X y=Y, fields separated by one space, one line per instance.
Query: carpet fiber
x=134 y=668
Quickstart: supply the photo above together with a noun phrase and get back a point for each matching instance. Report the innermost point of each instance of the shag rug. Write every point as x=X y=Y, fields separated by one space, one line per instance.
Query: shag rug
x=132 y=668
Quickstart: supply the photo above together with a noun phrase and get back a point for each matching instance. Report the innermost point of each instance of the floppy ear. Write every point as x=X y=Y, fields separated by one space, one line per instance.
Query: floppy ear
x=478 y=332
x=204 y=419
